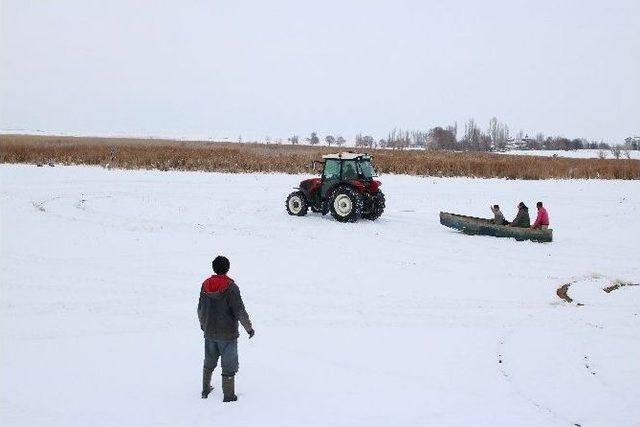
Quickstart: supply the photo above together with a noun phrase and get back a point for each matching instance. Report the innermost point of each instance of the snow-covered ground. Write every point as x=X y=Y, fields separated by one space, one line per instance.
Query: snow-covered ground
x=395 y=322
x=577 y=154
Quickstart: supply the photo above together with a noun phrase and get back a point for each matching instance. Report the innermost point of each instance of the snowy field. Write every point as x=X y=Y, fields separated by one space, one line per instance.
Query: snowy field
x=395 y=322
x=576 y=154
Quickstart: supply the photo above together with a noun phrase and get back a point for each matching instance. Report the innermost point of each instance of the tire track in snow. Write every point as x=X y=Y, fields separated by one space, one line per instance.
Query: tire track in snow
x=588 y=364
x=42 y=205
x=563 y=291
x=502 y=368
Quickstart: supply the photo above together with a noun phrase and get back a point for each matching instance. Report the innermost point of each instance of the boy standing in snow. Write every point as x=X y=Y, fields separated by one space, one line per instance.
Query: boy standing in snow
x=542 y=220
x=220 y=308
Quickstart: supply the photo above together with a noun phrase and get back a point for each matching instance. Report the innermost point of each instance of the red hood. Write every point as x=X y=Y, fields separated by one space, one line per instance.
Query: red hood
x=312 y=181
x=374 y=185
x=216 y=283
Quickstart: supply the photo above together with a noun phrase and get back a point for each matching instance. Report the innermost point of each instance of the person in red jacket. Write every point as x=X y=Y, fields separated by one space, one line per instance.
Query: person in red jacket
x=220 y=309
x=542 y=220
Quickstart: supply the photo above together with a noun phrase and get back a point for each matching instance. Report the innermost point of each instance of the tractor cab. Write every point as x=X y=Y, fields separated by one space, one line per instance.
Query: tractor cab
x=349 y=168
x=346 y=166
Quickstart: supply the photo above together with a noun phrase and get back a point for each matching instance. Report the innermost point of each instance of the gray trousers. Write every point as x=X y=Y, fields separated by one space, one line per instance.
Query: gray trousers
x=226 y=350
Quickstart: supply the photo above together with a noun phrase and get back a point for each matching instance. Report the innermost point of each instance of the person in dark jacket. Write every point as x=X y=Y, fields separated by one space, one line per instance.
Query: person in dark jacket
x=220 y=308
x=522 y=218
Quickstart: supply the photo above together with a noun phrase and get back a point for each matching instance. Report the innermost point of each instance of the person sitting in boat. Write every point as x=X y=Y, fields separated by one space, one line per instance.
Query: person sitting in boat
x=542 y=220
x=498 y=217
x=522 y=218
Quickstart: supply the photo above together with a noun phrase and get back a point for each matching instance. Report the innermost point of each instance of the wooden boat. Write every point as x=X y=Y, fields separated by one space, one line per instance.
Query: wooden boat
x=486 y=227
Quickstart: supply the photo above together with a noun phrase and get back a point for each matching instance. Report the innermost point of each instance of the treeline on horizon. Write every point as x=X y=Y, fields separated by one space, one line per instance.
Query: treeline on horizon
x=165 y=155
x=496 y=137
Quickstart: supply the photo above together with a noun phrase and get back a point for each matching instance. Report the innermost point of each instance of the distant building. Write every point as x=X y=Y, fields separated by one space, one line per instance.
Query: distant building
x=525 y=143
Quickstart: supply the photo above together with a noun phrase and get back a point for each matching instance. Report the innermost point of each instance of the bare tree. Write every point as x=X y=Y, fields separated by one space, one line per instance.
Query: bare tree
x=313 y=139
x=453 y=129
x=616 y=151
x=340 y=141
x=398 y=139
x=484 y=143
x=294 y=139
x=329 y=139
x=493 y=129
x=499 y=134
x=632 y=142
x=359 y=140
x=368 y=141
x=418 y=139
x=472 y=135
x=441 y=139
x=364 y=140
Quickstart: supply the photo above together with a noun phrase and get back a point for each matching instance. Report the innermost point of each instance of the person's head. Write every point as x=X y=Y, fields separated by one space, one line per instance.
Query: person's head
x=220 y=265
x=539 y=205
x=521 y=205
x=496 y=207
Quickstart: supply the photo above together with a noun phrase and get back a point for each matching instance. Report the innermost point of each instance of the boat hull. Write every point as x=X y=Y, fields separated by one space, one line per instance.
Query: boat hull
x=486 y=227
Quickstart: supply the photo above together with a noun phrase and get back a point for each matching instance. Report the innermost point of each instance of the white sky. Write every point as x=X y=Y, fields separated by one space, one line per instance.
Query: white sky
x=273 y=68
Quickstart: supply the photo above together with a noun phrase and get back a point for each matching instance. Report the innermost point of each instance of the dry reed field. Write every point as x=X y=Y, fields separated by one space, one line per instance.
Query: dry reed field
x=229 y=157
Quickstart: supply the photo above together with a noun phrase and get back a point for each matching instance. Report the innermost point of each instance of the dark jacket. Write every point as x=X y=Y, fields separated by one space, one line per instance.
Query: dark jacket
x=220 y=308
x=522 y=218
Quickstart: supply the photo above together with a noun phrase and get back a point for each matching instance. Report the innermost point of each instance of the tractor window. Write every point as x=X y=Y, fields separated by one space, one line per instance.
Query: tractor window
x=349 y=170
x=366 y=169
x=331 y=169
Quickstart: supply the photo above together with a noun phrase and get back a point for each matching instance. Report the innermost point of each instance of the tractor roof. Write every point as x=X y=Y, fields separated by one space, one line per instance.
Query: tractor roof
x=347 y=155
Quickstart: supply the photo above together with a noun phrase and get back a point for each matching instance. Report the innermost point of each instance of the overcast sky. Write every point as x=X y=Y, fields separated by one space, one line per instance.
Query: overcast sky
x=273 y=68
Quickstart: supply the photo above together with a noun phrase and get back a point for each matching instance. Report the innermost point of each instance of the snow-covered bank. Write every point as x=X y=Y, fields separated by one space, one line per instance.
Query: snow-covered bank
x=175 y=136
x=576 y=154
x=395 y=322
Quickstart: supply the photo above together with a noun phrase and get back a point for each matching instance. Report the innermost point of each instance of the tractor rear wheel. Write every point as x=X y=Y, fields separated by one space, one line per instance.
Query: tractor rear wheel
x=346 y=204
x=296 y=204
x=377 y=206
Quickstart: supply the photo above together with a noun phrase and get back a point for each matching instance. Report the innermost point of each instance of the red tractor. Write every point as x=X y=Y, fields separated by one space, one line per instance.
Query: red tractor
x=346 y=188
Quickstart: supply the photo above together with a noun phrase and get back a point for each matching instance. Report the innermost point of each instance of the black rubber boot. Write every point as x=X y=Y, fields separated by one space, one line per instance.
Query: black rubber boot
x=228 y=388
x=206 y=382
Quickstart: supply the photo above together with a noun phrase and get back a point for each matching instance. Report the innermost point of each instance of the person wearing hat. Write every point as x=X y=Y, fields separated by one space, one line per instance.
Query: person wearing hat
x=522 y=218
x=220 y=308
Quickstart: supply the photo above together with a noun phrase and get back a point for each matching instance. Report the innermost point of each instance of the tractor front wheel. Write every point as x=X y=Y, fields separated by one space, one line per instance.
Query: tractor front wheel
x=346 y=204
x=296 y=204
